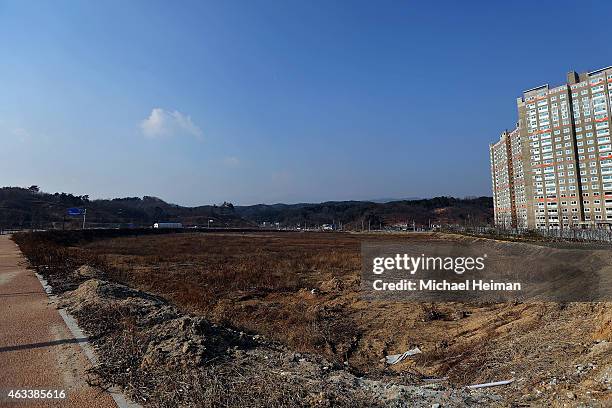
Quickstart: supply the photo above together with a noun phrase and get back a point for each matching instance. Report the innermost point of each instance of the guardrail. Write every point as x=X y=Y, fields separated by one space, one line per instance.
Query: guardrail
x=560 y=234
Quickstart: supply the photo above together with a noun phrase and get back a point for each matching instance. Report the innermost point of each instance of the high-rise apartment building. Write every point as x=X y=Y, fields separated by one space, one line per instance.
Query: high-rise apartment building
x=501 y=174
x=555 y=169
x=508 y=181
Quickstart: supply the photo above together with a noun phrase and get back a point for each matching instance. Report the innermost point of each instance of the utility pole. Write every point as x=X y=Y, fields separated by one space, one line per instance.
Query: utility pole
x=84 y=215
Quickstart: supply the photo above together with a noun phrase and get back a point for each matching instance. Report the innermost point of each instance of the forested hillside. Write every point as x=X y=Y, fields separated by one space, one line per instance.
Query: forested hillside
x=32 y=208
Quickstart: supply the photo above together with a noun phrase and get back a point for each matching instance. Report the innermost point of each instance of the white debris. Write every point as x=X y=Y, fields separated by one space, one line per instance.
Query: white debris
x=491 y=384
x=396 y=358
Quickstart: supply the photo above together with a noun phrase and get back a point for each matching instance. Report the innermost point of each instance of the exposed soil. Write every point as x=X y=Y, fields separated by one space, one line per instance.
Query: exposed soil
x=301 y=290
x=162 y=357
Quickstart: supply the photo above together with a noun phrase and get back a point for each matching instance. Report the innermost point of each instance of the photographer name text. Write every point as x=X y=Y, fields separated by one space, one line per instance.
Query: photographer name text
x=443 y=286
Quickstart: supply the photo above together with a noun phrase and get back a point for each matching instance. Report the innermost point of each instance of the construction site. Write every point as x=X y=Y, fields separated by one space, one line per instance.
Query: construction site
x=278 y=319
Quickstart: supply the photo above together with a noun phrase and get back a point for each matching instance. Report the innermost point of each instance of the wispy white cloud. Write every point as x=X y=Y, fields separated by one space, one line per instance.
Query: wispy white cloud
x=231 y=161
x=22 y=135
x=164 y=123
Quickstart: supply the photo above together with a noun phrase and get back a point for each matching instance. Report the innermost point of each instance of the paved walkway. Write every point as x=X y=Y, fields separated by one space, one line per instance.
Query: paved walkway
x=37 y=350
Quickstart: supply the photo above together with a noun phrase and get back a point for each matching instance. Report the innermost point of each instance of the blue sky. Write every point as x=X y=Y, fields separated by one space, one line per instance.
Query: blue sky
x=275 y=101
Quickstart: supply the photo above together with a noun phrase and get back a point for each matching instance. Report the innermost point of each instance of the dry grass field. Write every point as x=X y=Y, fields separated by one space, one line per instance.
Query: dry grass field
x=302 y=289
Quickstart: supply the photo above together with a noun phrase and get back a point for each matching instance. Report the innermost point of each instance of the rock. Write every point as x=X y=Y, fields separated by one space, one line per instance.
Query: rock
x=332 y=285
x=570 y=395
x=185 y=323
x=318 y=399
x=89 y=272
x=461 y=314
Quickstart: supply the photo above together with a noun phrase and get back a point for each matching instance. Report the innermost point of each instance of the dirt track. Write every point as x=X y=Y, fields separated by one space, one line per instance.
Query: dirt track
x=37 y=350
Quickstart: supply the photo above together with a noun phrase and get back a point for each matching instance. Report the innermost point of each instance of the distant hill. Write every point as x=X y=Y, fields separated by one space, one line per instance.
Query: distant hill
x=31 y=208
x=28 y=207
x=438 y=210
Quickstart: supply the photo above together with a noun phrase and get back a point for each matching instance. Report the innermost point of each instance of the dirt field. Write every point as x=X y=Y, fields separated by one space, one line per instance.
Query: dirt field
x=302 y=289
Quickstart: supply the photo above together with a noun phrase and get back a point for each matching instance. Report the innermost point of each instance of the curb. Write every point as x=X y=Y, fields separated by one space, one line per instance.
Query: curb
x=77 y=333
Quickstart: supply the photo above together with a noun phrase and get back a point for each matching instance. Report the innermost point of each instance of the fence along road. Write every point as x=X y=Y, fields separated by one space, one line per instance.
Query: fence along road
x=37 y=350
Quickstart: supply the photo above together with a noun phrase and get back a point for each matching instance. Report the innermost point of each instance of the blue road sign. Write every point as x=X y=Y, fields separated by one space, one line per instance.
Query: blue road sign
x=75 y=211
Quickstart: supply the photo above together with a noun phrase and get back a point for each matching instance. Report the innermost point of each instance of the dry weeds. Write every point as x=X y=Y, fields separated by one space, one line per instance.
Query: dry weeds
x=301 y=289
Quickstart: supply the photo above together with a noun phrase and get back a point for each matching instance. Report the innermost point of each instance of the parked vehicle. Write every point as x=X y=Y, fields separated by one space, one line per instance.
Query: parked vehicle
x=167 y=225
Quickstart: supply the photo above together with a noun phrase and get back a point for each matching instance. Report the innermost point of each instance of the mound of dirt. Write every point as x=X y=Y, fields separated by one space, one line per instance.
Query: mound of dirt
x=88 y=272
x=99 y=292
x=173 y=340
x=141 y=341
